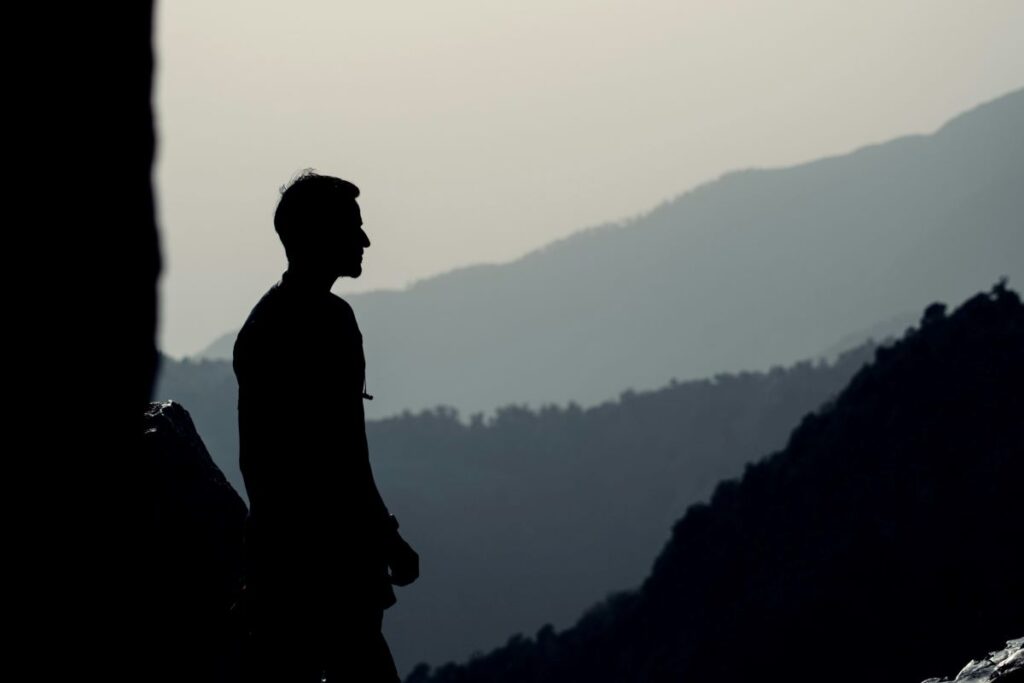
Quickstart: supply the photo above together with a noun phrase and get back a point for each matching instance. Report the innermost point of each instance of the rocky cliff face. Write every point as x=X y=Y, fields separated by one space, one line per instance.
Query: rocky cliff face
x=86 y=258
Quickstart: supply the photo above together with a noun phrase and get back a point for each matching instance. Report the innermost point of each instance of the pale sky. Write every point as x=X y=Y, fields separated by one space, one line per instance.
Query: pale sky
x=479 y=130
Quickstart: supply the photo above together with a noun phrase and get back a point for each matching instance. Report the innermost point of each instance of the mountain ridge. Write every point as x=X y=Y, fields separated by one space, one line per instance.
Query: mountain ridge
x=760 y=266
x=887 y=513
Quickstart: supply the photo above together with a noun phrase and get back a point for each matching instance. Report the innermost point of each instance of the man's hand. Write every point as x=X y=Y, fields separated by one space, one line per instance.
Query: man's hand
x=403 y=561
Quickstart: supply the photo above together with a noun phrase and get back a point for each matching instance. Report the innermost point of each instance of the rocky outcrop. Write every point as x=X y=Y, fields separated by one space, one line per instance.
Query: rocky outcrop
x=198 y=531
x=1004 y=666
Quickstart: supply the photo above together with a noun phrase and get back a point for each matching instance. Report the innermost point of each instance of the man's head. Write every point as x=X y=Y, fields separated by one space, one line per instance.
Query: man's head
x=320 y=226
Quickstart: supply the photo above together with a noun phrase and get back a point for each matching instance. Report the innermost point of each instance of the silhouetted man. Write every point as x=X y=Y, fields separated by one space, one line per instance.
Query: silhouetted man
x=319 y=540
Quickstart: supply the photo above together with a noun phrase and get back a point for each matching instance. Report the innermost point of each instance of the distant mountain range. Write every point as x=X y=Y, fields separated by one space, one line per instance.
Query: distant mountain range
x=759 y=267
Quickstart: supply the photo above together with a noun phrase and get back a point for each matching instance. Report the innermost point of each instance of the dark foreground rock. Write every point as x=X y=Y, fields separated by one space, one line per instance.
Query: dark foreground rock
x=1004 y=666
x=199 y=522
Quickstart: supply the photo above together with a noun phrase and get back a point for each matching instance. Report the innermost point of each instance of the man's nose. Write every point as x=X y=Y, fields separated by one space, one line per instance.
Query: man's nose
x=366 y=239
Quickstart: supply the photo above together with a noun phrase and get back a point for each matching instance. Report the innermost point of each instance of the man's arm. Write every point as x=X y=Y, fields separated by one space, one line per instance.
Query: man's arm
x=403 y=561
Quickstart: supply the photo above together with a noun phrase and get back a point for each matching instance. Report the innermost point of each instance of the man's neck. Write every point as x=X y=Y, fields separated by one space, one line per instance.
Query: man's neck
x=304 y=278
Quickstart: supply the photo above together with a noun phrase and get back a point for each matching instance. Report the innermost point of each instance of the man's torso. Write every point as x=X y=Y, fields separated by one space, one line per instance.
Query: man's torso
x=302 y=446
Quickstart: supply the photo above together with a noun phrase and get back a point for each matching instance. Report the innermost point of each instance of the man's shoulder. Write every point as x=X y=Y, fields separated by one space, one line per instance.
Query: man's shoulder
x=277 y=313
x=268 y=306
x=342 y=306
x=342 y=319
x=264 y=317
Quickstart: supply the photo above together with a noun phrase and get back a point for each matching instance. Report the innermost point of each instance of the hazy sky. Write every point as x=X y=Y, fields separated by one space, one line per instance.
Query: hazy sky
x=479 y=130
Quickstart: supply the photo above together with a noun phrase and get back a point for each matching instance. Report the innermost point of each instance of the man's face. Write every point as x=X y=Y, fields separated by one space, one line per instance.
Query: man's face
x=347 y=240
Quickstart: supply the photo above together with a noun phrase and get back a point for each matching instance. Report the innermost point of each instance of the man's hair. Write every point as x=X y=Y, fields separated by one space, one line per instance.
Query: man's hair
x=306 y=203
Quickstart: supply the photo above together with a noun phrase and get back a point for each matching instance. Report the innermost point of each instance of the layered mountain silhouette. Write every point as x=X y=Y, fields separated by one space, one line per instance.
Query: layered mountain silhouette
x=880 y=544
x=757 y=268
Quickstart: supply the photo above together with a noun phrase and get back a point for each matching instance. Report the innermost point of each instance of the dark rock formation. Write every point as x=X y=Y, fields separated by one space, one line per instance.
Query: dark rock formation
x=198 y=534
x=1002 y=666
x=85 y=259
